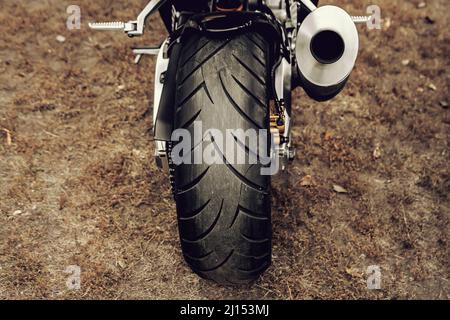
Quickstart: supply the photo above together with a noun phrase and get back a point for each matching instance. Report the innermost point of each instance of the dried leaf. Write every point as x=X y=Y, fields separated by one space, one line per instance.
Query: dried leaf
x=306 y=181
x=17 y=212
x=387 y=23
x=8 y=136
x=60 y=38
x=355 y=273
x=377 y=152
x=432 y=87
x=405 y=62
x=328 y=135
x=121 y=263
x=339 y=189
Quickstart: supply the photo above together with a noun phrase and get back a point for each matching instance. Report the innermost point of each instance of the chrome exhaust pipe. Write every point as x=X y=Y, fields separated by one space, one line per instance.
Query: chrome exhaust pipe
x=326 y=51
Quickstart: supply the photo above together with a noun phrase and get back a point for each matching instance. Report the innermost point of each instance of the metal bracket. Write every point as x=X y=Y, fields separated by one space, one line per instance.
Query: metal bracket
x=138 y=52
x=161 y=156
x=132 y=28
x=150 y=8
x=308 y=3
x=162 y=64
x=356 y=19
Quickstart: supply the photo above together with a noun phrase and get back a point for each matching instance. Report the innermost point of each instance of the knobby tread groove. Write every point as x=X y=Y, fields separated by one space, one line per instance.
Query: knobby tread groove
x=191 y=94
x=245 y=147
x=200 y=64
x=255 y=42
x=258 y=59
x=236 y=106
x=194 y=53
x=247 y=238
x=220 y=264
x=198 y=258
x=193 y=183
x=194 y=214
x=209 y=230
x=238 y=175
x=252 y=72
x=247 y=91
x=191 y=120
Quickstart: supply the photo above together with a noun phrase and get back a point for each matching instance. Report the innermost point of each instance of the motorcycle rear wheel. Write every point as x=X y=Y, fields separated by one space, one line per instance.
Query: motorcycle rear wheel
x=223 y=210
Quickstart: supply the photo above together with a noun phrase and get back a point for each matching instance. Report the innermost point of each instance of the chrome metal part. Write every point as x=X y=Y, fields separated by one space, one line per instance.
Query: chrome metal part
x=162 y=64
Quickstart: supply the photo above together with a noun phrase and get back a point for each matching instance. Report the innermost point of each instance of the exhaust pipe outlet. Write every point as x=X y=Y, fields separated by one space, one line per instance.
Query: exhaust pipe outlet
x=326 y=51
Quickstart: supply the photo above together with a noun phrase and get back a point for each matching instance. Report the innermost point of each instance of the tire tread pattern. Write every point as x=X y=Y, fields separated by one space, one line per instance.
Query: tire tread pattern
x=223 y=210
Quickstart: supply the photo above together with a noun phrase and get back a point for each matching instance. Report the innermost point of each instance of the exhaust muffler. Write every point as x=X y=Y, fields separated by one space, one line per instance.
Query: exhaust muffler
x=326 y=51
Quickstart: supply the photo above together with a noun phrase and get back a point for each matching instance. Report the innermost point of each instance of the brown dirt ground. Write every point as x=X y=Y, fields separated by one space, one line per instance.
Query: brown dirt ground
x=79 y=186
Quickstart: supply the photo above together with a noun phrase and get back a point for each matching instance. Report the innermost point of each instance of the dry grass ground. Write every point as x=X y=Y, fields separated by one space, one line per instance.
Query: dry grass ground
x=78 y=183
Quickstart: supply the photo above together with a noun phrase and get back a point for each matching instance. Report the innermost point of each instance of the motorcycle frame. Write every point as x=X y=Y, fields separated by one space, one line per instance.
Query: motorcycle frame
x=282 y=18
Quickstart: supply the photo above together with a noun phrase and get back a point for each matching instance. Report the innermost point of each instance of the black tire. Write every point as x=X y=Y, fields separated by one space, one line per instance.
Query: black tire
x=224 y=212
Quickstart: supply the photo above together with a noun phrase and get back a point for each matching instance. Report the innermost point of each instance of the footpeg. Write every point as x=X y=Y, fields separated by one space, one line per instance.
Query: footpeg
x=117 y=25
x=361 y=19
x=132 y=28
